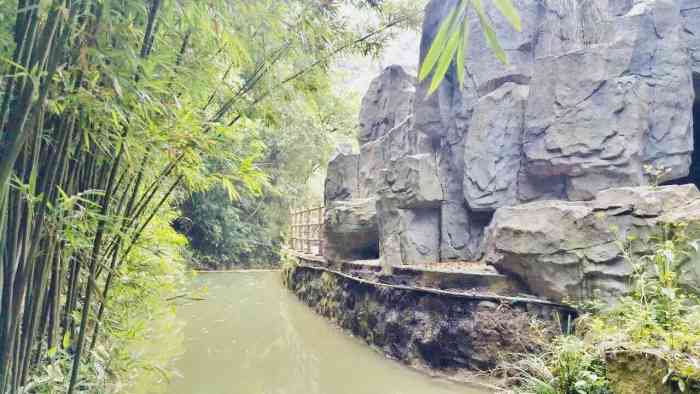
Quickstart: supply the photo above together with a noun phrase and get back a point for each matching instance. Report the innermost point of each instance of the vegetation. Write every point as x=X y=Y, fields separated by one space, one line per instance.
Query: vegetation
x=452 y=38
x=248 y=230
x=650 y=338
x=114 y=113
x=121 y=118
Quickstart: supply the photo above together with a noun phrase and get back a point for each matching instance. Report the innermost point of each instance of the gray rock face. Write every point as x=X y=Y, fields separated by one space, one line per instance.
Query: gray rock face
x=609 y=91
x=342 y=177
x=350 y=230
x=407 y=236
x=596 y=115
x=594 y=92
x=690 y=9
x=492 y=161
x=376 y=156
x=413 y=182
x=409 y=211
x=388 y=103
x=563 y=249
x=390 y=175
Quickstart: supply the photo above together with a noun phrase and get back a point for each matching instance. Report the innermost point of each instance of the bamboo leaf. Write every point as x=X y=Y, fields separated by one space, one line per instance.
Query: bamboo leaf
x=489 y=33
x=231 y=191
x=117 y=87
x=32 y=181
x=508 y=10
x=460 y=63
x=445 y=61
x=462 y=53
x=66 y=340
x=436 y=48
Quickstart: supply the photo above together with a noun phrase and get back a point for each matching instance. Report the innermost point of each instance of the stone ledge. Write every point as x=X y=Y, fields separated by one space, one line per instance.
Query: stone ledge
x=444 y=332
x=477 y=289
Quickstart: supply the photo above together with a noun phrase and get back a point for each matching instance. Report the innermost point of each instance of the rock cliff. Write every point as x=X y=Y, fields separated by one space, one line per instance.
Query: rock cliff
x=516 y=167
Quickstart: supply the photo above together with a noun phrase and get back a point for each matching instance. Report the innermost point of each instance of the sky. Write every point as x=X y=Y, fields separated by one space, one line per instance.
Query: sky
x=355 y=73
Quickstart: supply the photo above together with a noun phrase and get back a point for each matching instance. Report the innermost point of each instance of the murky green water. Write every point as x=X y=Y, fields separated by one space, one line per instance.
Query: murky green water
x=251 y=336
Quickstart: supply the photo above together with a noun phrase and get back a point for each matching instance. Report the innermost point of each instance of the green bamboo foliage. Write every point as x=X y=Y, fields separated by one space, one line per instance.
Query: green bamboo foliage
x=109 y=112
x=64 y=141
x=450 y=43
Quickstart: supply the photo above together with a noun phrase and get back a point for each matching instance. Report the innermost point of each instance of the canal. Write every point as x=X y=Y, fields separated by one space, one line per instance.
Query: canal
x=251 y=336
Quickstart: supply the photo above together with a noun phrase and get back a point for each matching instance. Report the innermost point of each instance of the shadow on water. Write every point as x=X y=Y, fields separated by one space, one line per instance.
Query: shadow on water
x=251 y=336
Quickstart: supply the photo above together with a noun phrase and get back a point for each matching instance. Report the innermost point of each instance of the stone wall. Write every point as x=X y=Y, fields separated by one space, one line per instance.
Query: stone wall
x=594 y=92
x=421 y=329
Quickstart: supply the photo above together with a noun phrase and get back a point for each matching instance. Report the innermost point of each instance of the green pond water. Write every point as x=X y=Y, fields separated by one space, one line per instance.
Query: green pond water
x=251 y=336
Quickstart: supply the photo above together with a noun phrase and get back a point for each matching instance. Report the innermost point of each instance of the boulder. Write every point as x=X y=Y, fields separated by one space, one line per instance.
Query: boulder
x=544 y=244
x=649 y=202
x=407 y=236
x=413 y=182
x=376 y=156
x=342 y=175
x=408 y=209
x=495 y=138
x=388 y=102
x=562 y=249
x=350 y=230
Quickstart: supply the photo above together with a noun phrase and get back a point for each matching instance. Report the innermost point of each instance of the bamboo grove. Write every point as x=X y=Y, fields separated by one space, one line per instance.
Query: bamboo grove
x=110 y=111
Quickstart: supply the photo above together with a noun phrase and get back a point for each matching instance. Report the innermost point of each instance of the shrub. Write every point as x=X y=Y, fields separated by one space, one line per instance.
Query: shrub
x=650 y=338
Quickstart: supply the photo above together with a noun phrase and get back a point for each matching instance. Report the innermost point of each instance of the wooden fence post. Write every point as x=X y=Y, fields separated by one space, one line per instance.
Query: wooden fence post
x=305 y=219
x=293 y=239
x=321 y=244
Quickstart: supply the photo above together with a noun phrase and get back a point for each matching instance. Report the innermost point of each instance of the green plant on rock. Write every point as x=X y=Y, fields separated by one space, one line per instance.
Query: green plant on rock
x=656 y=174
x=649 y=339
x=661 y=316
x=569 y=367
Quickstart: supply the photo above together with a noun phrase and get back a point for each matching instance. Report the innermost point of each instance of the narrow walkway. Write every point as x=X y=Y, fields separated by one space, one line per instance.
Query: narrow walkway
x=476 y=285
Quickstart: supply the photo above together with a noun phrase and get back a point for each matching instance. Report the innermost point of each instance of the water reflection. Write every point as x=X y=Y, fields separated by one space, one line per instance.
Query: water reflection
x=252 y=337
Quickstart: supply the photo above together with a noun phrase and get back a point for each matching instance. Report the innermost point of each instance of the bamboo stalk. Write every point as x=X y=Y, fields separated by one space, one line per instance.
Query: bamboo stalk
x=97 y=244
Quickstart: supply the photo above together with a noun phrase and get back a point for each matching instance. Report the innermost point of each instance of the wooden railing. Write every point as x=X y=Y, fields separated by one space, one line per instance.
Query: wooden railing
x=306 y=234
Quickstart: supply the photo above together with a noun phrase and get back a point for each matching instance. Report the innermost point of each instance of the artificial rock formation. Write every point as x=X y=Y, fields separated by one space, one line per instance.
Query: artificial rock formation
x=351 y=230
x=594 y=92
x=564 y=249
x=690 y=9
x=391 y=175
x=388 y=103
